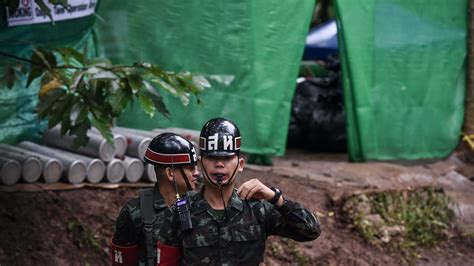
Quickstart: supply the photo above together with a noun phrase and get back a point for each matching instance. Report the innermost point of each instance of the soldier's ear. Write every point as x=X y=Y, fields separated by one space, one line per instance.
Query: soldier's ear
x=169 y=174
x=241 y=164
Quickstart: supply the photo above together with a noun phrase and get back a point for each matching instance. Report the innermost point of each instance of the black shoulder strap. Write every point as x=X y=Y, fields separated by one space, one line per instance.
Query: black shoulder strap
x=148 y=215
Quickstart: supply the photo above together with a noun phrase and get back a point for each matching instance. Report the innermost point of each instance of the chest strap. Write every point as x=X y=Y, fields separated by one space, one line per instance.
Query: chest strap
x=148 y=216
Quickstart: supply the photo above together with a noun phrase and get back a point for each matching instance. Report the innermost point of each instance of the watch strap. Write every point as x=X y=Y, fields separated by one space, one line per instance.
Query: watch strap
x=277 y=195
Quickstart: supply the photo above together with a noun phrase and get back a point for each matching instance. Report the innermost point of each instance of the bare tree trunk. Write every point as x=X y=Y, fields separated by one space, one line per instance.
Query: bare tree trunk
x=468 y=128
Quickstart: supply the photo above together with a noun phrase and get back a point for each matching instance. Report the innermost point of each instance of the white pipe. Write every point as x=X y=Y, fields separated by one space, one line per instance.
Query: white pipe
x=11 y=171
x=137 y=144
x=135 y=131
x=75 y=170
x=52 y=167
x=95 y=167
x=31 y=167
x=96 y=147
x=133 y=169
x=115 y=171
x=150 y=175
x=120 y=142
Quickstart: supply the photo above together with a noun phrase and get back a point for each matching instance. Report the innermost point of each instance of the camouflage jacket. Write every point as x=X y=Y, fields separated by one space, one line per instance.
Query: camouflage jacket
x=129 y=227
x=238 y=236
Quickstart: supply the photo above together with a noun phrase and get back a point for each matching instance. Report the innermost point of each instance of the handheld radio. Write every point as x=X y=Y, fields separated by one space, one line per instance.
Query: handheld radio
x=184 y=214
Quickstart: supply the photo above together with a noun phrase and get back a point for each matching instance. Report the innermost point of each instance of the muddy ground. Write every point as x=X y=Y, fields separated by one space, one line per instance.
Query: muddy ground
x=72 y=227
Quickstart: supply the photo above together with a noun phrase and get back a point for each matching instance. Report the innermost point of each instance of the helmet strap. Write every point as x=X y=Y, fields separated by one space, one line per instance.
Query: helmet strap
x=219 y=184
x=185 y=177
x=174 y=179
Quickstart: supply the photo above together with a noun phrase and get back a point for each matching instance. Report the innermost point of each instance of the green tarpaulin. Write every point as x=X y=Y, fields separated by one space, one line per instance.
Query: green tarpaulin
x=249 y=50
x=403 y=67
x=404 y=76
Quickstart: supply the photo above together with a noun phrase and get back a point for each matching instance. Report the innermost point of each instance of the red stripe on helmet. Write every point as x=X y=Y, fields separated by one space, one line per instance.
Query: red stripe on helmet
x=167 y=158
x=237 y=143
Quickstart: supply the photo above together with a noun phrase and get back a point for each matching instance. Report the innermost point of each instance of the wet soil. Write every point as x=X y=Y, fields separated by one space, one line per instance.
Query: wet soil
x=72 y=227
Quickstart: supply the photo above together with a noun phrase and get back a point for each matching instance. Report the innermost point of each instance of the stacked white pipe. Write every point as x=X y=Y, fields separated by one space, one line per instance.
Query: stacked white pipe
x=52 y=167
x=31 y=167
x=75 y=170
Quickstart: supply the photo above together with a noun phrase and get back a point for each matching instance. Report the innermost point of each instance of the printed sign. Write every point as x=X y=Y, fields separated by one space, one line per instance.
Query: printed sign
x=28 y=12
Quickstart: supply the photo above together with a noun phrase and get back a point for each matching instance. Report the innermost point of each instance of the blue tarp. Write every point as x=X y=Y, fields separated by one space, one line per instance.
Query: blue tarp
x=321 y=42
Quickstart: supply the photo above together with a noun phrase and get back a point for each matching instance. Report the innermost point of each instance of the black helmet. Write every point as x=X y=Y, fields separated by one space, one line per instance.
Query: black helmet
x=219 y=137
x=169 y=148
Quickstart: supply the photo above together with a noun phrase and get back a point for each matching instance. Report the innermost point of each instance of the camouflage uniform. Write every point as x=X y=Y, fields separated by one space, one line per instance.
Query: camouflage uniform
x=238 y=236
x=129 y=229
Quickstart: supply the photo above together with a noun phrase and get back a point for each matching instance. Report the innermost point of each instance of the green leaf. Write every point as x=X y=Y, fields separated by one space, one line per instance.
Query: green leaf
x=136 y=81
x=156 y=99
x=34 y=74
x=65 y=124
x=184 y=97
x=85 y=52
x=47 y=77
x=59 y=108
x=67 y=53
x=43 y=58
x=201 y=82
x=45 y=9
x=53 y=120
x=51 y=58
x=45 y=104
x=64 y=76
x=100 y=62
x=78 y=113
x=66 y=114
x=166 y=86
x=118 y=101
x=157 y=72
x=76 y=80
x=104 y=129
x=80 y=131
x=102 y=75
x=147 y=103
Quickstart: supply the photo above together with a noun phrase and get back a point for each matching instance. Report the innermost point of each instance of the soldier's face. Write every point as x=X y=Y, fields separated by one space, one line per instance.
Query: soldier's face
x=223 y=166
x=192 y=174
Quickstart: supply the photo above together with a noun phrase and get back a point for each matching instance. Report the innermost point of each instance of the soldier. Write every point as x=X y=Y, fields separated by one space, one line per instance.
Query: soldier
x=135 y=238
x=230 y=226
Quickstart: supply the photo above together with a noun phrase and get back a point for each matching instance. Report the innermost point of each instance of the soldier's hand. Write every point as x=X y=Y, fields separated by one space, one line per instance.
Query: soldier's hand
x=255 y=189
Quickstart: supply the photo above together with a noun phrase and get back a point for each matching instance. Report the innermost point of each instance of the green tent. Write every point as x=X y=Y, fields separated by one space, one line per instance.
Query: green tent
x=249 y=50
x=404 y=76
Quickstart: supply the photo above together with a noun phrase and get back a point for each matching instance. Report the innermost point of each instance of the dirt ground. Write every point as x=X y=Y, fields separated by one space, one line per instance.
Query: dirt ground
x=72 y=227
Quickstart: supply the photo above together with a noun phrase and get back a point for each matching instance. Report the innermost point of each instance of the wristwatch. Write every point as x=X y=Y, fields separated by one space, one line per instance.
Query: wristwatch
x=277 y=195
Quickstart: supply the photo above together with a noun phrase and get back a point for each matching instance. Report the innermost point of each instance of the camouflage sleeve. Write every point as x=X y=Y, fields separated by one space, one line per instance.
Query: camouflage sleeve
x=169 y=231
x=126 y=232
x=291 y=220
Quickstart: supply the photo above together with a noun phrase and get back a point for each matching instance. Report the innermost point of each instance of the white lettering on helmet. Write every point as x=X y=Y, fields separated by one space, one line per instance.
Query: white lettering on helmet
x=118 y=256
x=228 y=143
x=194 y=154
x=212 y=142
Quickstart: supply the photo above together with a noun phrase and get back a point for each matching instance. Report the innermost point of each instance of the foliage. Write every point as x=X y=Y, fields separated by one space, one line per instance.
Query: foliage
x=83 y=235
x=78 y=93
x=402 y=219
